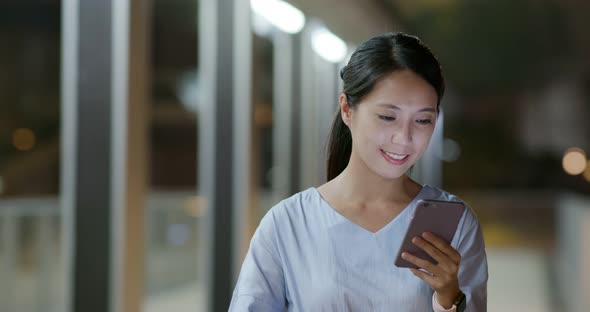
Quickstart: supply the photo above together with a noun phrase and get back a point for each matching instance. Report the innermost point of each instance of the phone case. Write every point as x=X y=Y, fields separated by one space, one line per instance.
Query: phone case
x=438 y=217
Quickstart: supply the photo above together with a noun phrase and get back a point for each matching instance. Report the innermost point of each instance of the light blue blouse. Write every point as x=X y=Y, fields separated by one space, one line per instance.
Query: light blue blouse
x=305 y=256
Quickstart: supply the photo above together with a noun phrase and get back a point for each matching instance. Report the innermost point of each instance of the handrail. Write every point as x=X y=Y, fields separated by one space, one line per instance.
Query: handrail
x=45 y=212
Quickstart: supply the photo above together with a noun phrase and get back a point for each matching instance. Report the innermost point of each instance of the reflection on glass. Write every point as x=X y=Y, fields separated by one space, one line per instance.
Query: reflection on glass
x=30 y=248
x=262 y=127
x=174 y=212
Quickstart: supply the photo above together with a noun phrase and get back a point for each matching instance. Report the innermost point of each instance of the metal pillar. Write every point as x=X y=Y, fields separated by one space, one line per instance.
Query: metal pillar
x=224 y=141
x=104 y=150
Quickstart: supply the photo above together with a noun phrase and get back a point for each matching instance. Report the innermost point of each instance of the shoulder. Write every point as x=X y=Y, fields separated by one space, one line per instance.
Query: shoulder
x=432 y=192
x=469 y=226
x=299 y=206
x=289 y=220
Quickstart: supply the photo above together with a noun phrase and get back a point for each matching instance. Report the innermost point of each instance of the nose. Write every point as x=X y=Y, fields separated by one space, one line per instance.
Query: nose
x=403 y=134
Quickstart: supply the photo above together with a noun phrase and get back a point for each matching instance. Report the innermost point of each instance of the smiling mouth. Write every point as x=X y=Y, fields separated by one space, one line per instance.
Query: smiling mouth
x=394 y=158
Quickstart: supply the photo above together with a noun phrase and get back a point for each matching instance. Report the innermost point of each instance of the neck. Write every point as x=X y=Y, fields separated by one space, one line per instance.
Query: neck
x=359 y=183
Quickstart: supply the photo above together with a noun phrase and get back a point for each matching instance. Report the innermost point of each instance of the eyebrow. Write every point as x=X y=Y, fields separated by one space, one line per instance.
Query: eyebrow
x=387 y=105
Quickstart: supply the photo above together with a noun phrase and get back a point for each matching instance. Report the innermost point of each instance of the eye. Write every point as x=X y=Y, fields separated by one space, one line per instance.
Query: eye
x=424 y=121
x=386 y=118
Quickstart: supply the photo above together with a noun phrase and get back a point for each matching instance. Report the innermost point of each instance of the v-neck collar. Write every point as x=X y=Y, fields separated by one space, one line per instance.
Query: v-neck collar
x=363 y=229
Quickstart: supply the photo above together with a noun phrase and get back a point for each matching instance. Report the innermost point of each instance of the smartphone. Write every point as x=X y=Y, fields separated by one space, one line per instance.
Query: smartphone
x=438 y=217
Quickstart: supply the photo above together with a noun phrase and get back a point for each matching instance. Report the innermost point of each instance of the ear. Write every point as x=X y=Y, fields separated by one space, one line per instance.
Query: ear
x=345 y=109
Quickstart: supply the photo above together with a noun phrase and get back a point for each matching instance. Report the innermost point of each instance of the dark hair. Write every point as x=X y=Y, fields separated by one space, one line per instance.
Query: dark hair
x=371 y=61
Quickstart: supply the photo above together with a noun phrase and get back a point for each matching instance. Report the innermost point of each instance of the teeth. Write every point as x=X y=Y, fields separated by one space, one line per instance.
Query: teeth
x=395 y=156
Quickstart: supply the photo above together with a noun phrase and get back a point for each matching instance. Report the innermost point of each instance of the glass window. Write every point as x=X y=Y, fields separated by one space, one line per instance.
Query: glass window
x=30 y=247
x=262 y=125
x=174 y=212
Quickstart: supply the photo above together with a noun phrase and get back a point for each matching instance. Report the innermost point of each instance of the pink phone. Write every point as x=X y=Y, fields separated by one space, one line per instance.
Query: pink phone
x=438 y=217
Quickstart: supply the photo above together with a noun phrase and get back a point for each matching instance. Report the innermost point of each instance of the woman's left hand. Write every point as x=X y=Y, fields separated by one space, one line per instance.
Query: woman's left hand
x=443 y=276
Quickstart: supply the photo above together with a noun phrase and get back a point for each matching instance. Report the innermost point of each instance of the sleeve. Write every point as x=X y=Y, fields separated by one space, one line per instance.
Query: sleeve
x=261 y=284
x=473 y=270
x=438 y=308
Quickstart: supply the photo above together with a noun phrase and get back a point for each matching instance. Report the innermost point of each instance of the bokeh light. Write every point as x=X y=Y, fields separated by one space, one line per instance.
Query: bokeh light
x=451 y=150
x=281 y=14
x=329 y=46
x=574 y=161
x=23 y=139
x=178 y=234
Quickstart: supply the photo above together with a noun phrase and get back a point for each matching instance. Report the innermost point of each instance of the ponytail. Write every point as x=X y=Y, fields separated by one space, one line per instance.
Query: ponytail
x=339 y=147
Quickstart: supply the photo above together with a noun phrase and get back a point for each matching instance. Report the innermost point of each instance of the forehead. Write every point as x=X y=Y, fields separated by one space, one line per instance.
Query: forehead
x=404 y=89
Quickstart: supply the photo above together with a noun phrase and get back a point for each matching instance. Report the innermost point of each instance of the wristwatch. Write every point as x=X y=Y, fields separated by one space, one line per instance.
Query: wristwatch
x=460 y=302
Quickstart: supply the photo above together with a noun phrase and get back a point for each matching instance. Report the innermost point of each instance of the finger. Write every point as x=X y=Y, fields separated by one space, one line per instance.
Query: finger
x=429 y=279
x=436 y=254
x=443 y=261
x=442 y=246
x=421 y=263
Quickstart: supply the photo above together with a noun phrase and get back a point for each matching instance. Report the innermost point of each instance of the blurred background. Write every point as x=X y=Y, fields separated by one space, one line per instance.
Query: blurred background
x=142 y=141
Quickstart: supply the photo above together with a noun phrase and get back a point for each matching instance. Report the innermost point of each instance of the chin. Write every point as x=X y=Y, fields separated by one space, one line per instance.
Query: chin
x=392 y=174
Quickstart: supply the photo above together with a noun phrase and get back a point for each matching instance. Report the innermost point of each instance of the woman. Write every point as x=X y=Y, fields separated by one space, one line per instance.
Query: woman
x=332 y=248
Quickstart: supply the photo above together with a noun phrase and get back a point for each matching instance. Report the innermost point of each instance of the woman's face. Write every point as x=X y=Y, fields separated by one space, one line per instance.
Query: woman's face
x=392 y=125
